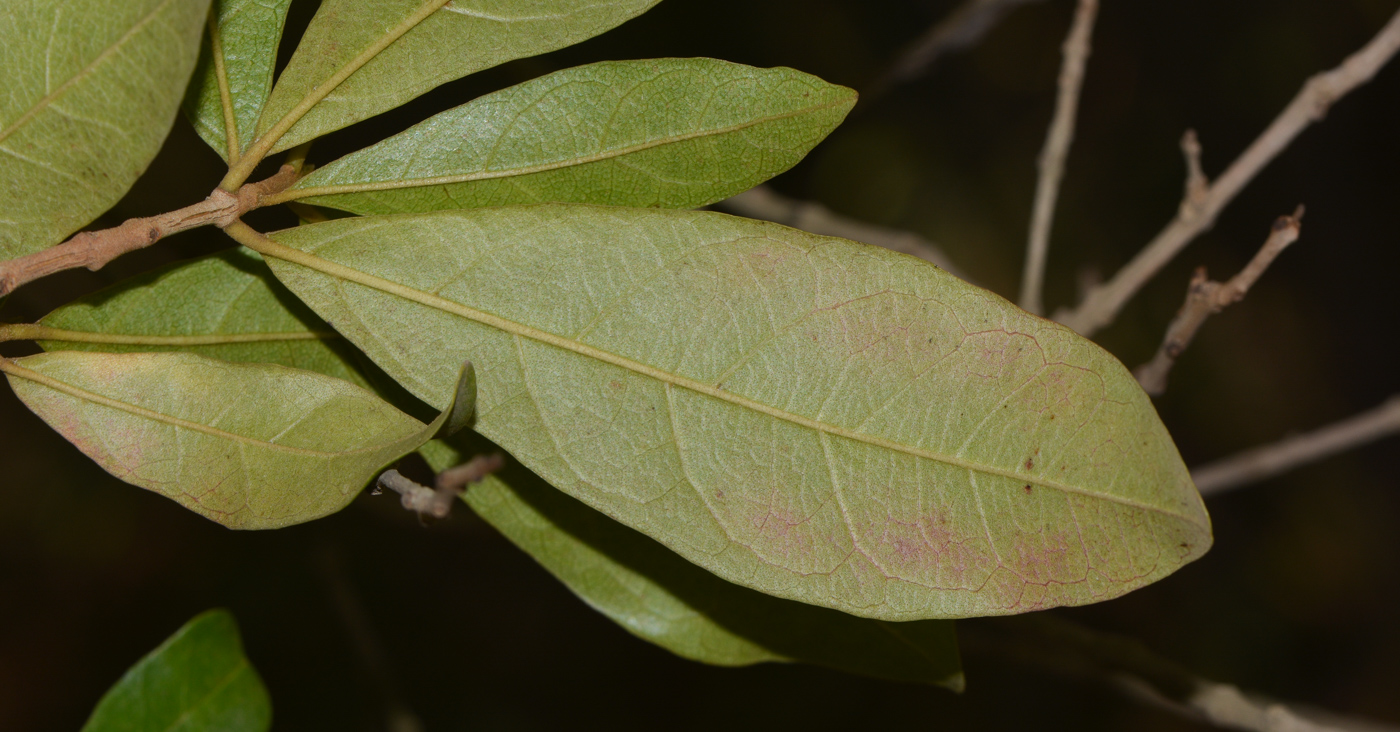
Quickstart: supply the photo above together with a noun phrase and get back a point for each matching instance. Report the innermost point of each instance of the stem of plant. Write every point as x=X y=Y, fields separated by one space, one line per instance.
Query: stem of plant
x=94 y=249
x=1056 y=151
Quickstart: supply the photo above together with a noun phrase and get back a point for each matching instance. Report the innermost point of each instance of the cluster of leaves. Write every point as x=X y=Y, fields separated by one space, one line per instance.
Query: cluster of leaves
x=740 y=441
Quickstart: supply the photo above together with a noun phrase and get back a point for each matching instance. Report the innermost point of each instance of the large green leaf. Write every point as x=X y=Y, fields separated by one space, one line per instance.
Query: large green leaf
x=91 y=89
x=225 y=306
x=659 y=597
x=198 y=680
x=234 y=75
x=673 y=133
x=360 y=58
x=814 y=418
x=251 y=446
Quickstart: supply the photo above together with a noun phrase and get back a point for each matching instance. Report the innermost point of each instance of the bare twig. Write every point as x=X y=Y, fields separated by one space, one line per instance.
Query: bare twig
x=1052 y=157
x=1205 y=298
x=438 y=502
x=1270 y=460
x=766 y=204
x=398 y=716
x=1310 y=105
x=455 y=480
x=1050 y=642
x=94 y=249
x=960 y=30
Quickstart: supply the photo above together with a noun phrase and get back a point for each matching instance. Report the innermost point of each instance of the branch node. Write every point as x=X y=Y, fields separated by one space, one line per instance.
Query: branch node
x=1197 y=184
x=94 y=249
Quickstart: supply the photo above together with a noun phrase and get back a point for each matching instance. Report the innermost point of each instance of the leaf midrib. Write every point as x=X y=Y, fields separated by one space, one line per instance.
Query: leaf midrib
x=298 y=193
x=45 y=333
x=83 y=73
x=216 y=51
x=267 y=247
x=238 y=669
x=76 y=392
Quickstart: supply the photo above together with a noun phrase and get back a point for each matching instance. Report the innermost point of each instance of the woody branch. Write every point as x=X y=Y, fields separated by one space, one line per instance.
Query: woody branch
x=94 y=249
x=1206 y=297
x=1199 y=212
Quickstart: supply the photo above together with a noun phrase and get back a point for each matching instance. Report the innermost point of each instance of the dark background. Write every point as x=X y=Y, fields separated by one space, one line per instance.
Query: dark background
x=1296 y=600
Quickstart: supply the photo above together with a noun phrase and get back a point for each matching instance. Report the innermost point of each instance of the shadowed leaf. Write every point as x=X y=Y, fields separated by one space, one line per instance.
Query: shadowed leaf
x=390 y=51
x=91 y=89
x=251 y=446
x=198 y=680
x=673 y=133
x=660 y=597
x=226 y=306
x=814 y=418
x=244 y=38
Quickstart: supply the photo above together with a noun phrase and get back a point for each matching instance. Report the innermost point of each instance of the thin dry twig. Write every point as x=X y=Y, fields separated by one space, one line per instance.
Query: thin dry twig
x=437 y=502
x=1197 y=214
x=398 y=716
x=94 y=249
x=455 y=480
x=1058 y=138
x=1047 y=641
x=960 y=30
x=1206 y=297
x=766 y=204
x=1269 y=460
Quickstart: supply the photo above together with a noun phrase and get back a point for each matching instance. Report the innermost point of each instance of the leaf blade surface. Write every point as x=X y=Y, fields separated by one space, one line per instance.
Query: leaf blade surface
x=92 y=89
x=663 y=599
x=395 y=50
x=196 y=680
x=672 y=133
x=246 y=34
x=250 y=446
x=817 y=419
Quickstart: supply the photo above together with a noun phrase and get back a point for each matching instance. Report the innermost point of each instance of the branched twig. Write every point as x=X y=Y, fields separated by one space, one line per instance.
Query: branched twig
x=1052 y=157
x=962 y=29
x=766 y=204
x=1270 y=460
x=438 y=502
x=1199 y=214
x=1050 y=642
x=94 y=249
x=1205 y=298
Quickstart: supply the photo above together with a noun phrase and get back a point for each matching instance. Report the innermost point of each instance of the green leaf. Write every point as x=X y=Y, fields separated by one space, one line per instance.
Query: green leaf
x=226 y=306
x=251 y=446
x=671 y=133
x=234 y=75
x=814 y=418
x=91 y=89
x=359 y=58
x=196 y=680
x=660 y=597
